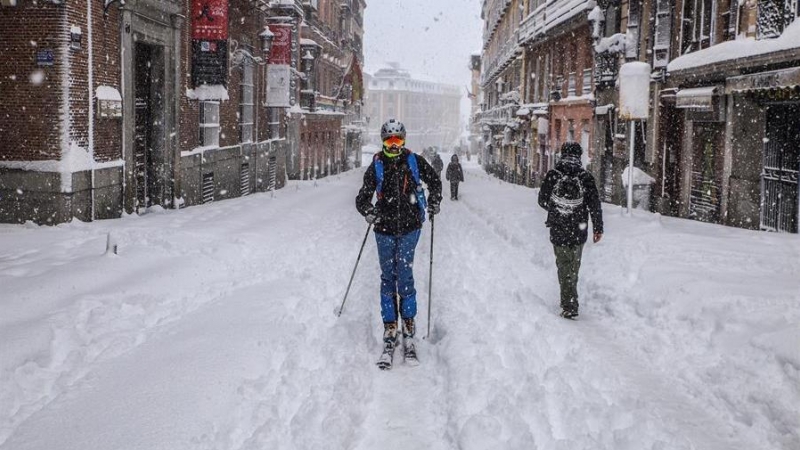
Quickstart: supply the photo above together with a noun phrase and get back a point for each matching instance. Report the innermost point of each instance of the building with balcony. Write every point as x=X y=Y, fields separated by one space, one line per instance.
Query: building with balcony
x=558 y=99
x=502 y=84
x=430 y=111
x=729 y=114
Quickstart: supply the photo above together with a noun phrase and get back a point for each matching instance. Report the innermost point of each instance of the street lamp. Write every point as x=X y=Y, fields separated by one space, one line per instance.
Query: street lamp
x=266 y=41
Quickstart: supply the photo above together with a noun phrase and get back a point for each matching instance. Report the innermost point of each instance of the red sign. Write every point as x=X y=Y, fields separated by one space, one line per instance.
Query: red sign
x=210 y=20
x=281 y=52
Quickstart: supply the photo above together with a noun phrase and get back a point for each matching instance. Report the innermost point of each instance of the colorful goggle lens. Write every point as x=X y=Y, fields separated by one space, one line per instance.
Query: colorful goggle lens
x=394 y=141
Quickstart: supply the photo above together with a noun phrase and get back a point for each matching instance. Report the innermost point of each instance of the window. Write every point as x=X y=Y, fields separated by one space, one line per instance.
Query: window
x=697 y=25
x=662 y=32
x=571 y=84
x=209 y=124
x=246 y=104
x=587 y=81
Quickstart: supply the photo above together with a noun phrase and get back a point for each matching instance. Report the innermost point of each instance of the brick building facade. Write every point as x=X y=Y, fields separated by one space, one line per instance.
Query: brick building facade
x=114 y=108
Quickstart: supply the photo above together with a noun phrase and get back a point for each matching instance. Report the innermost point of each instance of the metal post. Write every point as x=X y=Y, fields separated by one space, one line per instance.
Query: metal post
x=632 y=125
x=430 y=283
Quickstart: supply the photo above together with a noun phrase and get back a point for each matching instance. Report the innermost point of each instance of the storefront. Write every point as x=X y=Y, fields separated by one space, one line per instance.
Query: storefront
x=767 y=196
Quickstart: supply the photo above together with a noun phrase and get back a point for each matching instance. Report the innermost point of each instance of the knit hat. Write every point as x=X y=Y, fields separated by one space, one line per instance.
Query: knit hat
x=571 y=149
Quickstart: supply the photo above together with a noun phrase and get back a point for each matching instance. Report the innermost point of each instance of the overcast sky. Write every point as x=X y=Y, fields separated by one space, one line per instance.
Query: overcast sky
x=430 y=38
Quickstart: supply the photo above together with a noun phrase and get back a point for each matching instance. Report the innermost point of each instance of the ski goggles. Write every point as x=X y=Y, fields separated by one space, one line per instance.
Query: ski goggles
x=394 y=141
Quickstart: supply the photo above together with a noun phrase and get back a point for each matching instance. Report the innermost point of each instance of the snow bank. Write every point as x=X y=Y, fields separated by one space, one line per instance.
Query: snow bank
x=640 y=177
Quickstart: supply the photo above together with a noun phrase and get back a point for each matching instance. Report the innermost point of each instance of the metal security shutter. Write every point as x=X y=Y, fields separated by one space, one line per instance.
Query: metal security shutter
x=244 y=180
x=273 y=173
x=208 y=187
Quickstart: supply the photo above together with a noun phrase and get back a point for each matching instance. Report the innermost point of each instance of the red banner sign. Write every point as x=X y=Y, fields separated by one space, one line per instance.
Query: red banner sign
x=281 y=52
x=210 y=20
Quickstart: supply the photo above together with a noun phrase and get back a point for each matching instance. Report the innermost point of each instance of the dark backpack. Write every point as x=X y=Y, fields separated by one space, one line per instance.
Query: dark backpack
x=567 y=195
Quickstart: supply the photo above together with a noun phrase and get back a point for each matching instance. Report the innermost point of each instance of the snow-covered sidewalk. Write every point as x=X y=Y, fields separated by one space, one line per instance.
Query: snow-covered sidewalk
x=214 y=328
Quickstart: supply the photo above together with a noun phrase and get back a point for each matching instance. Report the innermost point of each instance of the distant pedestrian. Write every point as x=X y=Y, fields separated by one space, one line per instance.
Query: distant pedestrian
x=455 y=175
x=437 y=163
x=569 y=194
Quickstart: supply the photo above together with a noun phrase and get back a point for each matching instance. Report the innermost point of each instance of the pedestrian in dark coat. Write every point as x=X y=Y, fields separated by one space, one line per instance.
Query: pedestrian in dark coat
x=569 y=194
x=455 y=175
x=438 y=164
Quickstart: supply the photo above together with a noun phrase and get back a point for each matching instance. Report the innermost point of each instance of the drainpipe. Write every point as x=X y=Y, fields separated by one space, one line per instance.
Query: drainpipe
x=91 y=99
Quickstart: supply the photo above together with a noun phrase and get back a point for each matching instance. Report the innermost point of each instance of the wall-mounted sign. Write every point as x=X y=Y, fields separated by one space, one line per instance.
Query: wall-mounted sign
x=209 y=20
x=209 y=42
x=278 y=86
x=109 y=102
x=45 y=57
x=281 y=52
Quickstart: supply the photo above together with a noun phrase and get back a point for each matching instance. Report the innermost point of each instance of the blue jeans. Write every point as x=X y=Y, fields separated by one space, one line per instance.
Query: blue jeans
x=396 y=255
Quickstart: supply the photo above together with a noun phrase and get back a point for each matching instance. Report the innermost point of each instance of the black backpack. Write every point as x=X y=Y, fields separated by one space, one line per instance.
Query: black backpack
x=567 y=195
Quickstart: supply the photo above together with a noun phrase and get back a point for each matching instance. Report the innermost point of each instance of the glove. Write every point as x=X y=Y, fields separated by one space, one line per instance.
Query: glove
x=371 y=217
x=433 y=209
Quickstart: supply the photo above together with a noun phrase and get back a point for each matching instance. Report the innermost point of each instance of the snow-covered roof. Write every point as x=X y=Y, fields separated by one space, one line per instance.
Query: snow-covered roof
x=738 y=49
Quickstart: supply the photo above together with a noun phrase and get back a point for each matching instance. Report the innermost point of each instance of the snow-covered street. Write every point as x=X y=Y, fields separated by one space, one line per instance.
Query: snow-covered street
x=214 y=328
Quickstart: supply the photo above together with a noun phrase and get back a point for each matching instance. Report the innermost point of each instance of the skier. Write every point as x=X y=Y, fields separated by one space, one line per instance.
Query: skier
x=455 y=175
x=396 y=175
x=569 y=194
x=437 y=163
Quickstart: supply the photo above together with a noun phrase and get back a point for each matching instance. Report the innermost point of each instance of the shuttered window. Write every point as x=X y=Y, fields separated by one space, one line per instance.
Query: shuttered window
x=663 y=29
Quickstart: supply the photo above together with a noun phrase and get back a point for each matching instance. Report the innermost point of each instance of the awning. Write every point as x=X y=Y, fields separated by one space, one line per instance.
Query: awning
x=696 y=98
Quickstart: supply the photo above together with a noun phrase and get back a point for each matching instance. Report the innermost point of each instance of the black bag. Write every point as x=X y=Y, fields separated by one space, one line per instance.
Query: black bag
x=567 y=196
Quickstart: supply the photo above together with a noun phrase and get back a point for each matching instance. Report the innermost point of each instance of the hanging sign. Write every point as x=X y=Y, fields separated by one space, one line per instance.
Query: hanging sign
x=209 y=42
x=210 y=20
x=281 y=52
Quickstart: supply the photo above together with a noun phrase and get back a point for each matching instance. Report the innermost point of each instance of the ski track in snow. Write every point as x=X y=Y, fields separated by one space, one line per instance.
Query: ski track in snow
x=214 y=329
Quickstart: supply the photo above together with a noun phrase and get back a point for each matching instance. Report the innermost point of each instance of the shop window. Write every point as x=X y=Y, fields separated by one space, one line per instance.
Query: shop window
x=209 y=124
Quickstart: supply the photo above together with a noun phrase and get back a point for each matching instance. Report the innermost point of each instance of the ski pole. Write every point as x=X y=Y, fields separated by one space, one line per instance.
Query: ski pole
x=430 y=283
x=369 y=227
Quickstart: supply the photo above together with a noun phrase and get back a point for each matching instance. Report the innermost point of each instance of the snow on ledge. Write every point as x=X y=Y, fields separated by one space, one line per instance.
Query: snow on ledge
x=107 y=93
x=208 y=92
x=738 y=49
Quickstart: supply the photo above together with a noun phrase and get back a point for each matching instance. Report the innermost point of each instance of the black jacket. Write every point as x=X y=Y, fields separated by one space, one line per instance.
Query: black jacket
x=397 y=211
x=437 y=163
x=571 y=230
x=454 y=172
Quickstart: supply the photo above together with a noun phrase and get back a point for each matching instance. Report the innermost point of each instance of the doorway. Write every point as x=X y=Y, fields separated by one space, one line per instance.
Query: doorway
x=708 y=146
x=149 y=134
x=779 y=196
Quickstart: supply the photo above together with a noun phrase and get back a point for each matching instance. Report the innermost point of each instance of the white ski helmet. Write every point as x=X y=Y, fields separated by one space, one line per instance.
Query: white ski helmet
x=393 y=128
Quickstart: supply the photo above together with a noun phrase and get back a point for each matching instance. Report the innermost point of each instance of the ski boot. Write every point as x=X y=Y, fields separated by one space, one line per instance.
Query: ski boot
x=409 y=343
x=389 y=344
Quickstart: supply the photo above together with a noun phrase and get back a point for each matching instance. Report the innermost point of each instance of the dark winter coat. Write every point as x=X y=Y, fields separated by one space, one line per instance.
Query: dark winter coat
x=454 y=172
x=573 y=229
x=437 y=163
x=397 y=211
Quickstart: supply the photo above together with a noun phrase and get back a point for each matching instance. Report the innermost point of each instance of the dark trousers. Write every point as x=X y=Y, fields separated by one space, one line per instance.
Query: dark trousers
x=568 y=262
x=454 y=190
